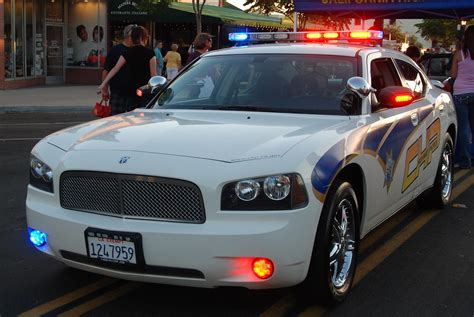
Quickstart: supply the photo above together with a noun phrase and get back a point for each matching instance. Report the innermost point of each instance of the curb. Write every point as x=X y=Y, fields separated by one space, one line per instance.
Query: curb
x=13 y=109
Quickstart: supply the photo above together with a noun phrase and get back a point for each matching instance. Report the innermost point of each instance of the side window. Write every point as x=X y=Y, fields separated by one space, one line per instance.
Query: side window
x=413 y=78
x=383 y=74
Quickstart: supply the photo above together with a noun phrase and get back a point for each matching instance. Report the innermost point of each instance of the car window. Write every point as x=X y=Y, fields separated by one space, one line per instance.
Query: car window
x=383 y=74
x=437 y=66
x=413 y=78
x=263 y=82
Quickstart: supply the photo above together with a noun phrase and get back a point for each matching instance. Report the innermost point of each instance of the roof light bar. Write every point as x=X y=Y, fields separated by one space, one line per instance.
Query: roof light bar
x=364 y=36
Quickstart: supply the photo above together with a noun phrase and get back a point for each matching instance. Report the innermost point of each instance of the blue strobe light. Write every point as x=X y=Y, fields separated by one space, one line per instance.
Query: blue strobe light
x=238 y=36
x=38 y=238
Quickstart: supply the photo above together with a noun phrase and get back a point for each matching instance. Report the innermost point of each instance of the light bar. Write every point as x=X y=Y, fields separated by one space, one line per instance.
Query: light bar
x=366 y=37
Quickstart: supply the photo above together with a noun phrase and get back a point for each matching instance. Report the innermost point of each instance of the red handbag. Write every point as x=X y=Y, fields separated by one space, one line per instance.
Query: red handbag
x=102 y=109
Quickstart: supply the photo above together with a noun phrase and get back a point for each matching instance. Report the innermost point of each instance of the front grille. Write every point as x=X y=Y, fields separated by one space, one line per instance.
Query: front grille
x=132 y=196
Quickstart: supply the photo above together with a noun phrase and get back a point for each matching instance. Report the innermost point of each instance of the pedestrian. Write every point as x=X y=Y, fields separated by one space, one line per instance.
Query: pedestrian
x=119 y=98
x=159 y=57
x=414 y=53
x=141 y=62
x=202 y=43
x=173 y=62
x=463 y=90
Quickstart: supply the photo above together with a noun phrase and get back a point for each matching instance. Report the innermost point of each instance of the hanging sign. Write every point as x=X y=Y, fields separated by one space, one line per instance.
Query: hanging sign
x=128 y=8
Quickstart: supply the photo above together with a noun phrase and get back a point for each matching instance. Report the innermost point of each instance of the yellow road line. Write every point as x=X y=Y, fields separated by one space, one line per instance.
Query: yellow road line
x=101 y=300
x=462 y=187
x=375 y=258
x=68 y=298
x=281 y=306
x=382 y=230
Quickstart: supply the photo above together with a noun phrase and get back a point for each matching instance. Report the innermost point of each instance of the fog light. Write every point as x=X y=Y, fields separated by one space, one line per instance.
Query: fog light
x=38 y=238
x=262 y=268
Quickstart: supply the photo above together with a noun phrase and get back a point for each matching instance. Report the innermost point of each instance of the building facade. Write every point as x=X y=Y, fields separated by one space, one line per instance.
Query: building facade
x=66 y=41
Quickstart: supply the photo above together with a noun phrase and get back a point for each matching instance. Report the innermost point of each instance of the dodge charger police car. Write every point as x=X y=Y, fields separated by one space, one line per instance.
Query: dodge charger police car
x=259 y=166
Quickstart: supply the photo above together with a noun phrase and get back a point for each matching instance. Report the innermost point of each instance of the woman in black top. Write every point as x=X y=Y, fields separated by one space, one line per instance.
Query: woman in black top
x=141 y=63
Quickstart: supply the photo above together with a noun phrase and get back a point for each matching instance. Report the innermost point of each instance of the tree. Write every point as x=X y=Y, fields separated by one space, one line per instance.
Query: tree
x=444 y=31
x=198 y=6
x=287 y=8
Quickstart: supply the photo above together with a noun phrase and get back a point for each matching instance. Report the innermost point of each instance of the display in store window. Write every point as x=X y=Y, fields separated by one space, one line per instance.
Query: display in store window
x=86 y=40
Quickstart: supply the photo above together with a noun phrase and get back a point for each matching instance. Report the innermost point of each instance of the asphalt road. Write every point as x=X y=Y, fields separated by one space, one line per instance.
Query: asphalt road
x=418 y=263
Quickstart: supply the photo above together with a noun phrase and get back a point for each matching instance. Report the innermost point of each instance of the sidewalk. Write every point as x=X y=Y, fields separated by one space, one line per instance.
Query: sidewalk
x=63 y=98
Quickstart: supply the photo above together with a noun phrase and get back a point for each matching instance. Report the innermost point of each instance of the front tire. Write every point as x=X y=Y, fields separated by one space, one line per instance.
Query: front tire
x=334 y=256
x=440 y=195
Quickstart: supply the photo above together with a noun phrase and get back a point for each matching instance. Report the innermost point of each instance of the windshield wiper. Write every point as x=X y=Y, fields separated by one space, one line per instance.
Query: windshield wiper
x=245 y=108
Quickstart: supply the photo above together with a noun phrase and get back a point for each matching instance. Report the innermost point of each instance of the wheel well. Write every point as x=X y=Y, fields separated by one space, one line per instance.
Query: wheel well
x=452 y=133
x=354 y=175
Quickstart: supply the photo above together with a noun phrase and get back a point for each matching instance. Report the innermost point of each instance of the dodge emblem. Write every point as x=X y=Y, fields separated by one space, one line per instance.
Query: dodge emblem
x=124 y=159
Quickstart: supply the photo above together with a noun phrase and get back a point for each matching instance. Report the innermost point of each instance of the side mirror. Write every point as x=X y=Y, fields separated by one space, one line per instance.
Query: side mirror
x=156 y=83
x=396 y=96
x=360 y=86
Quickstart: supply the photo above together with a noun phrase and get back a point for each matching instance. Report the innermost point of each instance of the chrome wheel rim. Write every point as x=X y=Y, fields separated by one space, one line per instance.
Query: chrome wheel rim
x=446 y=172
x=341 y=253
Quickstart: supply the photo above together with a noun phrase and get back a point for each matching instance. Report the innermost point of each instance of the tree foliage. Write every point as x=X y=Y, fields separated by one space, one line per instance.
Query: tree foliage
x=287 y=8
x=444 y=31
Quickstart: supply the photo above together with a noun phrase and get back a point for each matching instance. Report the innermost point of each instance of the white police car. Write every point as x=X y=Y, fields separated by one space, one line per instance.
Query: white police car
x=259 y=166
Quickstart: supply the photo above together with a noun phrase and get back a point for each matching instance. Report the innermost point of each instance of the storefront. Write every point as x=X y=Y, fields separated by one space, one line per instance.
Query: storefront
x=66 y=41
x=52 y=41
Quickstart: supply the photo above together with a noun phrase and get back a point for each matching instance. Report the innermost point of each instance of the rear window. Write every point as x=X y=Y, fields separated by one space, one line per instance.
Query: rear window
x=279 y=83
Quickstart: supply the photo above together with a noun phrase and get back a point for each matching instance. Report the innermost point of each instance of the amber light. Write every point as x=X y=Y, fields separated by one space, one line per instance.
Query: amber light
x=359 y=35
x=262 y=268
x=331 y=35
x=403 y=98
x=313 y=36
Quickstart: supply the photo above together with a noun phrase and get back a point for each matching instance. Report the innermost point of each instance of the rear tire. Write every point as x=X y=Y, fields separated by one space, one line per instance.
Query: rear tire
x=440 y=195
x=334 y=257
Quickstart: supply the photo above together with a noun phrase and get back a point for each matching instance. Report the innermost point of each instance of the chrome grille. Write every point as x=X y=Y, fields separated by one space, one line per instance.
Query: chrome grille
x=132 y=196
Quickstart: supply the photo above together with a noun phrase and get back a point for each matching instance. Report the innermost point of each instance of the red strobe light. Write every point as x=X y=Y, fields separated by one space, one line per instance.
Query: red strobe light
x=313 y=36
x=262 y=268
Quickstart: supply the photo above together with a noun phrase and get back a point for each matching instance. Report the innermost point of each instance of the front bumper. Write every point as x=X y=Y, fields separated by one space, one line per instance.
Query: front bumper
x=217 y=253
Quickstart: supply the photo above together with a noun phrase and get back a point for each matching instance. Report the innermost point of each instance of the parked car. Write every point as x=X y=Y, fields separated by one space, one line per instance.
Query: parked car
x=437 y=66
x=260 y=166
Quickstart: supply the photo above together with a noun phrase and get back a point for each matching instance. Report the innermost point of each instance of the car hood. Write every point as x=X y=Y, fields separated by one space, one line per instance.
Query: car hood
x=227 y=136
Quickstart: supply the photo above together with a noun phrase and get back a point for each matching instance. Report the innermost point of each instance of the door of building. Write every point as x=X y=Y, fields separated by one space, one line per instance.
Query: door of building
x=54 y=54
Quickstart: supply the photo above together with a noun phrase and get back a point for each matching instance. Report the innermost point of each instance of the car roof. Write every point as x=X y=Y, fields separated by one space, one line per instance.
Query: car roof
x=349 y=50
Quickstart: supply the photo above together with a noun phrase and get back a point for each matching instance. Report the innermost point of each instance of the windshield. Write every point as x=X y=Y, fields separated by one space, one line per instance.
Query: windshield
x=312 y=84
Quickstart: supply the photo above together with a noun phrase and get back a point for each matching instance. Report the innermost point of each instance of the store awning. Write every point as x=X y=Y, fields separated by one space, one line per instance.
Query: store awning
x=458 y=9
x=232 y=16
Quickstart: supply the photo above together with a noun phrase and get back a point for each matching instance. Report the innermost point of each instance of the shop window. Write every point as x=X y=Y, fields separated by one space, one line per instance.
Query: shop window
x=8 y=39
x=21 y=36
x=86 y=34
x=39 y=39
x=19 y=50
x=29 y=48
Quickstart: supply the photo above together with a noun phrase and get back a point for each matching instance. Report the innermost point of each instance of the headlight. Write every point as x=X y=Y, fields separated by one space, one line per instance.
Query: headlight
x=41 y=175
x=280 y=192
x=247 y=190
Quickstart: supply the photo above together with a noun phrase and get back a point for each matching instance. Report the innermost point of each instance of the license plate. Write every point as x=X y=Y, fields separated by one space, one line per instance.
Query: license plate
x=110 y=246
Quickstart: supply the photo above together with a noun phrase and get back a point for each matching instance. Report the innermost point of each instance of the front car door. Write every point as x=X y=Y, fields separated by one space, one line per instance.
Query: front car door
x=388 y=140
x=428 y=147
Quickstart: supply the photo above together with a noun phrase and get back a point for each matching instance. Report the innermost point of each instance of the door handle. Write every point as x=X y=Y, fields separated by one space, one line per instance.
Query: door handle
x=414 y=118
